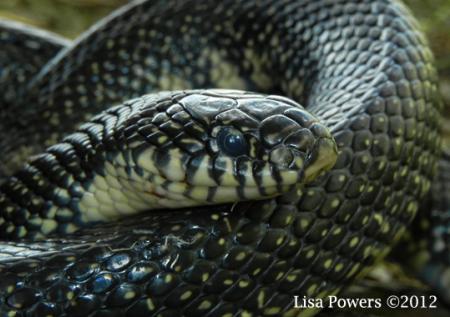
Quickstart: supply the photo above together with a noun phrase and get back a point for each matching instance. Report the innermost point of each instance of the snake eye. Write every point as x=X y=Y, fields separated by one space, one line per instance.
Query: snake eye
x=232 y=142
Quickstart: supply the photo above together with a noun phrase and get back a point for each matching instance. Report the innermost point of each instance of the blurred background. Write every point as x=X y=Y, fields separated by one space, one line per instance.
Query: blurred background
x=71 y=17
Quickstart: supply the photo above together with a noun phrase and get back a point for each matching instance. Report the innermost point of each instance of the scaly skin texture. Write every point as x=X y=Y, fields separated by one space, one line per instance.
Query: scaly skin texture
x=359 y=66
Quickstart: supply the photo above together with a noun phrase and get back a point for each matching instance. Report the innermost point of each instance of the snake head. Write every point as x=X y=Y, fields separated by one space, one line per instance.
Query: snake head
x=221 y=146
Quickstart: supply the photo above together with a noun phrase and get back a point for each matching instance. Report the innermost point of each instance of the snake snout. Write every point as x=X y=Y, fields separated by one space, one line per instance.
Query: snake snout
x=300 y=143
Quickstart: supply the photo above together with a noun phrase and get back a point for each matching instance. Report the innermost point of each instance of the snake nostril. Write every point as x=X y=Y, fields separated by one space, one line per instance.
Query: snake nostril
x=282 y=156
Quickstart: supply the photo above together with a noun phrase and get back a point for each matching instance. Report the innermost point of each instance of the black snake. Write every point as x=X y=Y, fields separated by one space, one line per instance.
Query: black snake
x=366 y=79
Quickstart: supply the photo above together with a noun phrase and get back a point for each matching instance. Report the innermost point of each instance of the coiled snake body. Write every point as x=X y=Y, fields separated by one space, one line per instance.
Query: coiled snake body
x=322 y=192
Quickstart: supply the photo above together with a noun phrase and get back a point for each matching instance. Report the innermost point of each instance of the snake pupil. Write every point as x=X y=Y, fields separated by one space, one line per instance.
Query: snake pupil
x=232 y=142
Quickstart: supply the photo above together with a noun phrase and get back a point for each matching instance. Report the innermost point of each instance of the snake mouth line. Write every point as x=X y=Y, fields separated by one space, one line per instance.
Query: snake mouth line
x=225 y=194
x=135 y=196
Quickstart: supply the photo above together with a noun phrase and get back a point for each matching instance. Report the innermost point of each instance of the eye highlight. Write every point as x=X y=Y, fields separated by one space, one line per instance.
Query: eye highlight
x=232 y=142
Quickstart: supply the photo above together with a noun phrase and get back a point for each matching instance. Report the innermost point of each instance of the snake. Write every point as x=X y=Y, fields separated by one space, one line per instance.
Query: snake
x=216 y=158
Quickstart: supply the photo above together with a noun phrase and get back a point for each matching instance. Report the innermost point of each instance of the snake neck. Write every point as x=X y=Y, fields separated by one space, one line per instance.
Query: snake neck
x=74 y=183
